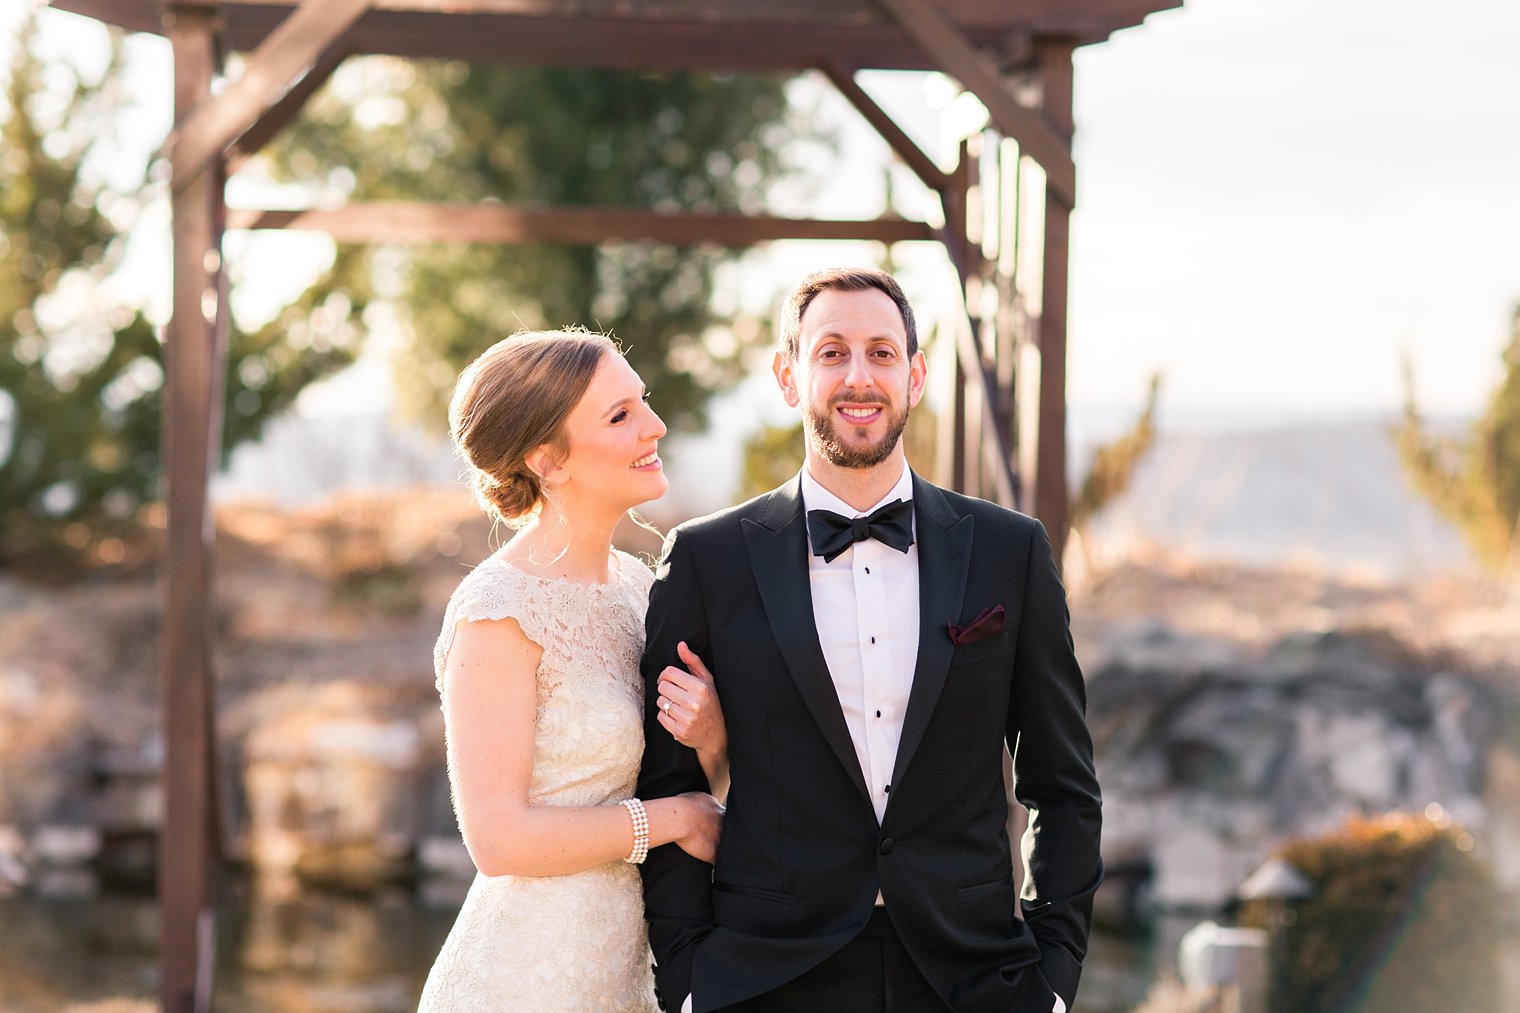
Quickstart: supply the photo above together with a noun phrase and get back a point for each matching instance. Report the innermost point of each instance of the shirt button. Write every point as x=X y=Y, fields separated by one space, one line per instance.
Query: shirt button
x=878 y=713
x=886 y=846
x=873 y=640
x=868 y=569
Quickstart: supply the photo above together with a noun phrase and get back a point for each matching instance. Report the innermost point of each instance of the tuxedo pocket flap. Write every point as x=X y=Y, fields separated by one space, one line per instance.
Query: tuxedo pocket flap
x=988 y=623
x=754 y=892
x=977 y=890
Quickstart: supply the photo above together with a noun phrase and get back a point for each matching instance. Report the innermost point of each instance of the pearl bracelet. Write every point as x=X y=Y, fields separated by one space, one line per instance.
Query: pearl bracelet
x=640 y=819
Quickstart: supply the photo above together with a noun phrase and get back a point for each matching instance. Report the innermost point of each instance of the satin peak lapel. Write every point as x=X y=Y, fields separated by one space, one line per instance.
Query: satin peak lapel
x=778 y=553
x=944 y=561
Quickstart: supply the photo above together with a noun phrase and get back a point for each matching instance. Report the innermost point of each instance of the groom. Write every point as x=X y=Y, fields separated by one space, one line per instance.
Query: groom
x=876 y=641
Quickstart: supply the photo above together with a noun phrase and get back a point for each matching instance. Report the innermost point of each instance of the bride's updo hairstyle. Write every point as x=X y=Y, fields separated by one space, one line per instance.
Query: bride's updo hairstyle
x=513 y=399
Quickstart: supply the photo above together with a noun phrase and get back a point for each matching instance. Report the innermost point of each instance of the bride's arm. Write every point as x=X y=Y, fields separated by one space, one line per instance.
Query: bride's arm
x=489 y=706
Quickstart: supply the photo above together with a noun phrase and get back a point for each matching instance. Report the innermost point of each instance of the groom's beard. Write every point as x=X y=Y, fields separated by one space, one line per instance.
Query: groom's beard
x=826 y=438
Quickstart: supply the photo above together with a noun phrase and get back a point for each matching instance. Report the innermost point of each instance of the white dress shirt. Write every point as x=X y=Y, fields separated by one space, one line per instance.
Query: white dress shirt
x=865 y=608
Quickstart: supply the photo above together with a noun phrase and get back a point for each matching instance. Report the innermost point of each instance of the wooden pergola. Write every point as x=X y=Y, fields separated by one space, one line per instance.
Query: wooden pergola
x=1007 y=207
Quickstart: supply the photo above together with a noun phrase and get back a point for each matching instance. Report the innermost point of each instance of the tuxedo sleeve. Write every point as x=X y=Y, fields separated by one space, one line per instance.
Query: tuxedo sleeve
x=1054 y=776
x=677 y=887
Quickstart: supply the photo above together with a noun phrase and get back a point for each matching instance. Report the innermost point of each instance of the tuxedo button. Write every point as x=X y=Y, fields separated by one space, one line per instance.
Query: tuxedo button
x=886 y=845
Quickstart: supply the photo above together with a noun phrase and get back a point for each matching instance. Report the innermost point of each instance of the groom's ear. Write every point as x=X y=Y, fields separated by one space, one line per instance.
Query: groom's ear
x=785 y=368
x=918 y=378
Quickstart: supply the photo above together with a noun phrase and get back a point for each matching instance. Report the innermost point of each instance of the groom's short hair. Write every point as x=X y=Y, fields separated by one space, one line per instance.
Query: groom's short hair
x=843 y=279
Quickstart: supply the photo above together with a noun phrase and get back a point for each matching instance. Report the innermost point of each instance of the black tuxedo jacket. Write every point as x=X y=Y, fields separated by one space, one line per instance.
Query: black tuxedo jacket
x=801 y=856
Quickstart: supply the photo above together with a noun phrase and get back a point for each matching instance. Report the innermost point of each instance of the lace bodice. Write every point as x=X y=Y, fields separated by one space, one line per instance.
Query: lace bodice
x=590 y=698
x=559 y=943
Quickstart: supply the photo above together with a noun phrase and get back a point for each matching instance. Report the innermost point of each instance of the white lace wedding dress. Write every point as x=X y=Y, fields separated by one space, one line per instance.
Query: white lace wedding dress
x=573 y=943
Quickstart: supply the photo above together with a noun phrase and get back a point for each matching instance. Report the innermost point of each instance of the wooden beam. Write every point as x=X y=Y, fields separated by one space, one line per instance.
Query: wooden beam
x=922 y=165
x=417 y=222
x=279 y=62
x=997 y=452
x=194 y=360
x=280 y=115
x=654 y=36
x=728 y=12
x=617 y=42
x=1050 y=491
x=1037 y=137
x=1088 y=20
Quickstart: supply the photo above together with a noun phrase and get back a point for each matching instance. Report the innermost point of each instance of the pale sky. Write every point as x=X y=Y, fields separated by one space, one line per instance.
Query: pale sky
x=1278 y=199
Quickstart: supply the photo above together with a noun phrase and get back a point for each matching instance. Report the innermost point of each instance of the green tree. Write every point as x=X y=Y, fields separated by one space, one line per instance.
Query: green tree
x=80 y=378
x=1473 y=479
x=457 y=132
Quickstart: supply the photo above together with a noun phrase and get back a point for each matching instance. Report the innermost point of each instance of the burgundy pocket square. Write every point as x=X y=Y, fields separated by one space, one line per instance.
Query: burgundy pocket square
x=988 y=623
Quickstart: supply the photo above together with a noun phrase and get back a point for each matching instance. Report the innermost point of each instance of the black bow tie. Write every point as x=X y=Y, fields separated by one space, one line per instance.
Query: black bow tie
x=831 y=534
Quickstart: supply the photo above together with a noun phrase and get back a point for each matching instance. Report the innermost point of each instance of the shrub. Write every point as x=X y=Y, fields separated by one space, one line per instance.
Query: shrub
x=1402 y=918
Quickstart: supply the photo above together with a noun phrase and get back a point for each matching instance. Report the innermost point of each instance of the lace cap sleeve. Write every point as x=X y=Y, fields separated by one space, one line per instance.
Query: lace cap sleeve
x=635 y=573
x=493 y=590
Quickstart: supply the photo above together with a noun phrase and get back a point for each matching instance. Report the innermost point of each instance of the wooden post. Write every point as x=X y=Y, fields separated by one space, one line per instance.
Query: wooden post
x=194 y=360
x=954 y=200
x=1050 y=493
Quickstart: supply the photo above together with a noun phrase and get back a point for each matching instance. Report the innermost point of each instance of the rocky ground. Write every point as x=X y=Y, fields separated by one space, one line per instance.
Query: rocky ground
x=1231 y=706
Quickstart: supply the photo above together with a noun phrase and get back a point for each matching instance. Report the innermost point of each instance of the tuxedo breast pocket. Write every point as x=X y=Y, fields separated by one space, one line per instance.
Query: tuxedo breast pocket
x=982 y=650
x=985 y=635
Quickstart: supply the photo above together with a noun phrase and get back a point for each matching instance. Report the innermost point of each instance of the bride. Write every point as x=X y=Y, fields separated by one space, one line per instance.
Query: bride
x=537 y=665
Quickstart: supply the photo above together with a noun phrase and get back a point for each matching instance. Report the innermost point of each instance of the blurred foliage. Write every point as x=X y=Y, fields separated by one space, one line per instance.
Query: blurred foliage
x=1402 y=920
x=81 y=377
x=771 y=457
x=1473 y=479
x=454 y=132
x=1114 y=463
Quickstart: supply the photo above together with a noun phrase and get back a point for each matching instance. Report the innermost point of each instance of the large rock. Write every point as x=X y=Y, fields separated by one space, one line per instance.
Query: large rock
x=1210 y=757
x=335 y=779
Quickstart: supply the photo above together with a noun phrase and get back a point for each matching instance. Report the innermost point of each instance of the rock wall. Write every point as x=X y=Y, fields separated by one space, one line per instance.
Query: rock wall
x=1211 y=755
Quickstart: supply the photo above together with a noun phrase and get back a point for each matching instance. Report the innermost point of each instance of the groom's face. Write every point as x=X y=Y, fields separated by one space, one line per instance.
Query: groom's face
x=852 y=377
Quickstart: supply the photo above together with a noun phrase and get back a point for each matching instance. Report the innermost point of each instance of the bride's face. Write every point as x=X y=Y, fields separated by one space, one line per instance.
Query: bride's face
x=613 y=437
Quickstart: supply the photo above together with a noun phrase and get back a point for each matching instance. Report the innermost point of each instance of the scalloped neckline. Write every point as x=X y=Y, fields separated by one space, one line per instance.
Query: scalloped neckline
x=615 y=575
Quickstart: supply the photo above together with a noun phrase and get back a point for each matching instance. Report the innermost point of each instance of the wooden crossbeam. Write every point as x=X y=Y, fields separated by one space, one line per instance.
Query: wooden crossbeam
x=922 y=165
x=279 y=62
x=418 y=222
x=280 y=115
x=944 y=42
x=724 y=11
x=731 y=35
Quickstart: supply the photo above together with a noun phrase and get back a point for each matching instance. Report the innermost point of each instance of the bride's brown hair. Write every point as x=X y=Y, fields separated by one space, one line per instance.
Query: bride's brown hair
x=514 y=399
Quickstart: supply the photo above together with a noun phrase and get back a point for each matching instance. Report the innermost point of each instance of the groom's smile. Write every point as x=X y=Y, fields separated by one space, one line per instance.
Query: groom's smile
x=860 y=416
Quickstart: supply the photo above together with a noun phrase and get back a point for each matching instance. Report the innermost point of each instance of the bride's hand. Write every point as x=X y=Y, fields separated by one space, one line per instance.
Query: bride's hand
x=705 y=817
x=689 y=707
